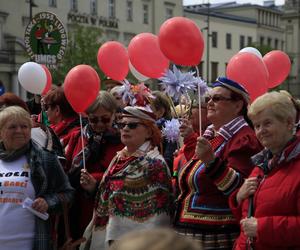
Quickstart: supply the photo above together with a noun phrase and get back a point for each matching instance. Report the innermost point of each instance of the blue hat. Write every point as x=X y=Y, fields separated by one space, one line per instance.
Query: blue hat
x=233 y=86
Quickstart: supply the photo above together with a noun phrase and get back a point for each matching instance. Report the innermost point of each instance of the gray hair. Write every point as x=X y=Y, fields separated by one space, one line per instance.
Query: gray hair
x=279 y=104
x=14 y=113
x=104 y=100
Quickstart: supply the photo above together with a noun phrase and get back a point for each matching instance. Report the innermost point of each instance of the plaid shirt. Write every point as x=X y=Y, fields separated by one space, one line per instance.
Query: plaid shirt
x=49 y=180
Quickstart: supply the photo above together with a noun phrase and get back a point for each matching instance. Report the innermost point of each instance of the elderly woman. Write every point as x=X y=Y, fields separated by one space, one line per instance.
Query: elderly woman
x=101 y=144
x=268 y=203
x=135 y=191
x=221 y=162
x=27 y=171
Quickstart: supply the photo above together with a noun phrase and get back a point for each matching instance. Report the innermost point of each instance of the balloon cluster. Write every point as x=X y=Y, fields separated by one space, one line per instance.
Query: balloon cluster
x=257 y=73
x=148 y=56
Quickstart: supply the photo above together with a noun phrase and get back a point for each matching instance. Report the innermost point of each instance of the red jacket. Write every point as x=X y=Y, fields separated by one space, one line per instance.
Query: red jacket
x=276 y=205
x=82 y=208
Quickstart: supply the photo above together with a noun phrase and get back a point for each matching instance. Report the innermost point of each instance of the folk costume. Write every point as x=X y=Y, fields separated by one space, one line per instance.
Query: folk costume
x=203 y=211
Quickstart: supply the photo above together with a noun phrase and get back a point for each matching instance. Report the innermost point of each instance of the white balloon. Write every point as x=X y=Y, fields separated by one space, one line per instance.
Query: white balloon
x=251 y=50
x=32 y=77
x=137 y=74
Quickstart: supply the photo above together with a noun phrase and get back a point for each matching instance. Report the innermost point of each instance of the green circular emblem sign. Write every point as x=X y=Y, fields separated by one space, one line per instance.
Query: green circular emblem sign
x=46 y=39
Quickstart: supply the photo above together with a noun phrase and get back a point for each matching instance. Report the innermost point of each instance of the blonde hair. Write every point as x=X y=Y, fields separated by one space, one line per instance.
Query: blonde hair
x=104 y=100
x=154 y=239
x=14 y=113
x=279 y=104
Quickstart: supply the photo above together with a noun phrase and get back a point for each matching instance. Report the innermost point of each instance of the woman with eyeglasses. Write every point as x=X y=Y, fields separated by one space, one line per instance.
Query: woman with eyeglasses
x=135 y=192
x=101 y=143
x=221 y=162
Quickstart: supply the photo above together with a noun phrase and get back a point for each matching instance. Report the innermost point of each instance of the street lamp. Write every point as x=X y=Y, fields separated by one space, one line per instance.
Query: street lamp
x=31 y=5
x=207 y=41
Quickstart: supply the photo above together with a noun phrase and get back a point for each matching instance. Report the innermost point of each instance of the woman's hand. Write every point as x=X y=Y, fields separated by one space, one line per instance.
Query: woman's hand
x=40 y=205
x=248 y=188
x=204 y=150
x=249 y=226
x=87 y=181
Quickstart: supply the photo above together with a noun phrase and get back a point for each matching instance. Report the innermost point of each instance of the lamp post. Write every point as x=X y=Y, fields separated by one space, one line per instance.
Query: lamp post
x=31 y=5
x=207 y=41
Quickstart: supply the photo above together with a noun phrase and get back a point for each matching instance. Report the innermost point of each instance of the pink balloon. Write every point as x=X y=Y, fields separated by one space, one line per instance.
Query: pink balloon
x=250 y=71
x=49 y=80
x=113 y=60
x=146 y=56
x=181 y=41
x=278 y=64
x=81 y=87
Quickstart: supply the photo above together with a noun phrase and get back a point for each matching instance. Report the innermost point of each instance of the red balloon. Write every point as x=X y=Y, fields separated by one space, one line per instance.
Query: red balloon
x=146 y=56
x=81 y=87
x=113 y=60
x=250 y=71
x=181 y=41
x=279 y=65
x=49 y=80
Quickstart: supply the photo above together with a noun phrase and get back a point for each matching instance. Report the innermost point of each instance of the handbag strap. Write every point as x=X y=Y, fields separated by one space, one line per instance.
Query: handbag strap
x=65 y=214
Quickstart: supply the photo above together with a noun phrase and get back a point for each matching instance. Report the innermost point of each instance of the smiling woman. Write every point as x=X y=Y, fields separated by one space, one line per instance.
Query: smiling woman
x=274 y=183
x=38 y=175
x=221 y=161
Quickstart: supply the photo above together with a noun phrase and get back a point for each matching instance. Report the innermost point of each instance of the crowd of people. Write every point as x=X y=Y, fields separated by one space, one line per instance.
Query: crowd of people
x=232 y=185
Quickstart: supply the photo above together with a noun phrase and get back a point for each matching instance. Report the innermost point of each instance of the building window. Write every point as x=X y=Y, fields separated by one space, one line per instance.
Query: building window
x=111 y=9
x=214 y=71
x=261 y=40
x=129 y=11
x=94 y=7
x=242 y=42
x=74 y=5
x=269 y=41
x=145 y=13
x=228 y=41
x=249 y=40
x=169 y=13
x=128 y=37
x=276 y=43
x=52 y=3
x=214 y=39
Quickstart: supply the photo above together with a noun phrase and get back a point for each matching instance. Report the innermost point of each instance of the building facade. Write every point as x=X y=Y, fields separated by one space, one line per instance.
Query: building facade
x=229 y=27
x=291 y=24
x=119 y=19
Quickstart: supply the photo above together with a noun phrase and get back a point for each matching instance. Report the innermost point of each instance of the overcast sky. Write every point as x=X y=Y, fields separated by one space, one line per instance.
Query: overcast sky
x=187 y=2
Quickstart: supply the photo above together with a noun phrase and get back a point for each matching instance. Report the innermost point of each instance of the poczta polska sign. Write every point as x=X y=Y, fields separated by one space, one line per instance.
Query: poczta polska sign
x=46 y=39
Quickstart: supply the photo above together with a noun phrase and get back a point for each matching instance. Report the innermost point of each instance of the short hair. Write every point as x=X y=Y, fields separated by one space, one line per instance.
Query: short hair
x=11 y=99
x=161 y=101
x=156 y=136
x=56 y=96
x=154 y=239
x=279 y=104
x=104 y=100
x=14 y=113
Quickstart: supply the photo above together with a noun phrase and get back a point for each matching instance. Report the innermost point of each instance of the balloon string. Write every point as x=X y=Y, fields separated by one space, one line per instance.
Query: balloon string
x=82 y=143
x=199 y=103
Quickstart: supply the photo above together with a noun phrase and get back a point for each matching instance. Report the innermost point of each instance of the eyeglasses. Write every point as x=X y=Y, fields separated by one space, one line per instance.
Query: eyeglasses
x=97 y=119
x=130 y=125
x=218 y=98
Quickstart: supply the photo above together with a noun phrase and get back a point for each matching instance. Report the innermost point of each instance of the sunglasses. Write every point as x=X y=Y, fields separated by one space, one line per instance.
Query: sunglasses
x=218 y=98
x=130 y=125
x=97 y=119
